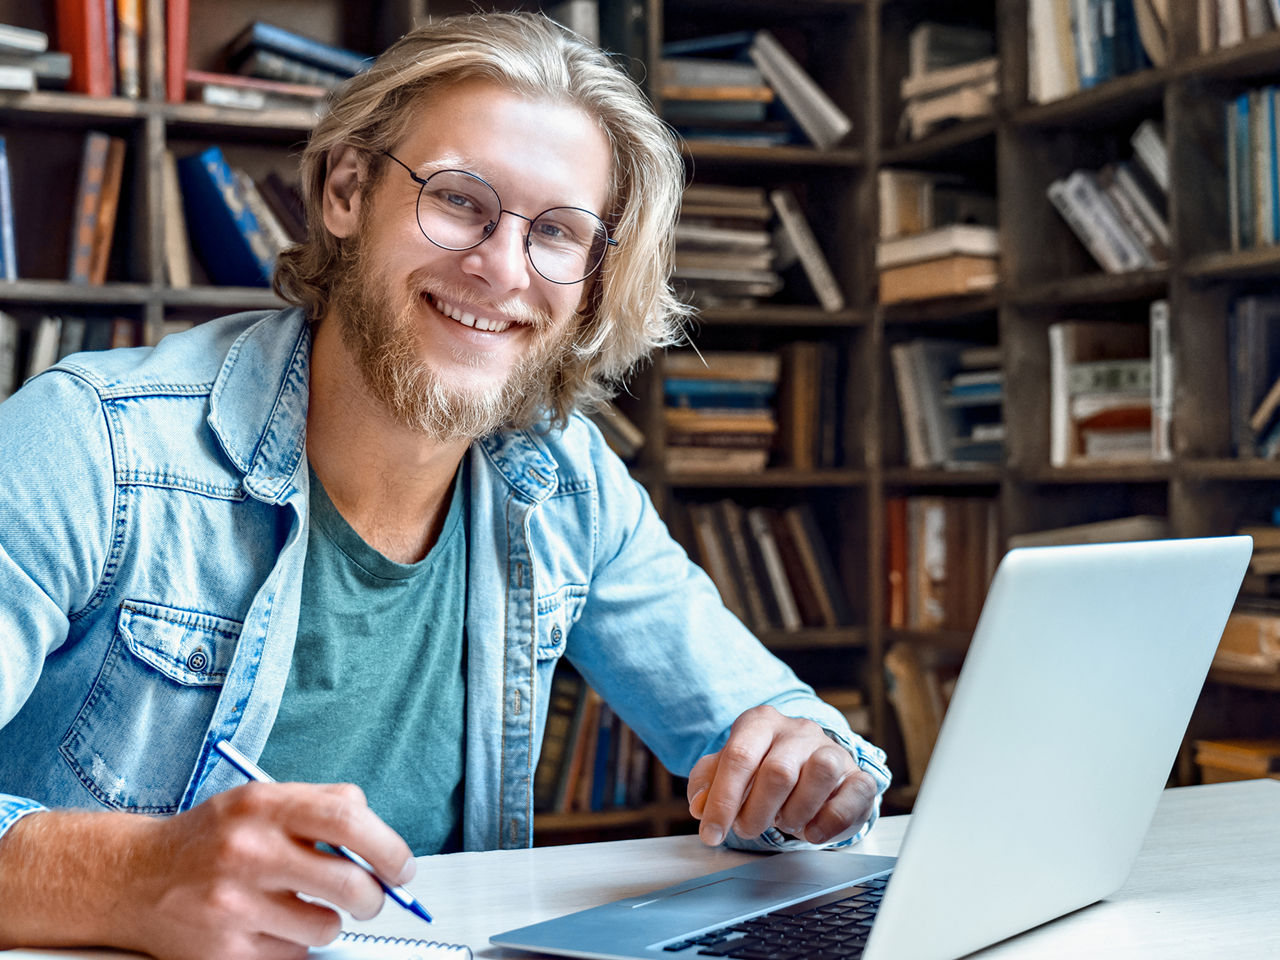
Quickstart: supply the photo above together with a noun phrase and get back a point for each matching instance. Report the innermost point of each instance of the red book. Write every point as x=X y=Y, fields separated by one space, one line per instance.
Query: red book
x=177 y=20
x=82 y=32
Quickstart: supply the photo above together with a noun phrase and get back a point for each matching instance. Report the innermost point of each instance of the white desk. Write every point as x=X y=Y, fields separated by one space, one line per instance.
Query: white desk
x=1207 y=884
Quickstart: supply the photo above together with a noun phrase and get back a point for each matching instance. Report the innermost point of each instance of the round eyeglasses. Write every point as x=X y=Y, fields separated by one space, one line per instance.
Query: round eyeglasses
x=458 y=210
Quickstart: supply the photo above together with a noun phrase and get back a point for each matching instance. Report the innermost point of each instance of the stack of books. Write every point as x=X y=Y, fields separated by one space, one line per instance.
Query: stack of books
x=745 y=88
x=1222 y=761
x=772 y=566
x=1253 y=375
x=104 y=44
x=252 y=93
x=26 y=62
x=273 y=53
x=33 y=342
x=937 y=237
x=1120 y=213
x=1225 y=23
x=951 y=396
x=1110 y=390
x=719 y=410
x=941 y=553
x=591 y=760
x=1073 y=45
x=1253 y=168
x=952 y=76
x=724 y=246
x=244 y=224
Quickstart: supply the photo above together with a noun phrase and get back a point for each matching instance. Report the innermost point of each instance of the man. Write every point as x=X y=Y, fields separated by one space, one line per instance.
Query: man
x=354 y=537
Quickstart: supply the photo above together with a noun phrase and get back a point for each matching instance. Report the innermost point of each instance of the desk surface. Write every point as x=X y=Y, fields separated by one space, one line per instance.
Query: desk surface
x=1207 y=882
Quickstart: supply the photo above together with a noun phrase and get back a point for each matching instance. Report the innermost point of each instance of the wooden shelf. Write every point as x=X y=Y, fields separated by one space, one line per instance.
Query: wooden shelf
x=1252 y=681
x=944 y=309
x=962 y=136
x=1099 y=473
x=1118 y=99
x=970 y=477
x=772 y=477
x=1092 y=288
x=1230 y=469
x=1261 y=262
x=814 y=638
x=81 y=294
x=1254 y=59
x=782 y=156
x=782 y=315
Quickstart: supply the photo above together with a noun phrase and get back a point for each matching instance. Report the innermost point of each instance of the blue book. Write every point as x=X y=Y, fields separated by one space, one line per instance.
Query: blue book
x=733 y=44
x=1270 y=94
x=230 y=242
x=1103 y=15
x=8 y=248
x=1244 y=178
x=719 y=388
x=601 y=786
x=267 y=36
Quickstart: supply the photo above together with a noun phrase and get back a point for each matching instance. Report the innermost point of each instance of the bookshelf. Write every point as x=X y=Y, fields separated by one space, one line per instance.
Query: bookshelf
x=857 y=51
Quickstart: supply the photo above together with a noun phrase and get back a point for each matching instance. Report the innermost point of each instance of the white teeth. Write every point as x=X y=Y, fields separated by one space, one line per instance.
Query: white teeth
x=470 y=319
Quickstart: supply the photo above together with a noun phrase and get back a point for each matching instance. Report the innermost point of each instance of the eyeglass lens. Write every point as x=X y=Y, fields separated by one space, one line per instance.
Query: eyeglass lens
x=457 y=211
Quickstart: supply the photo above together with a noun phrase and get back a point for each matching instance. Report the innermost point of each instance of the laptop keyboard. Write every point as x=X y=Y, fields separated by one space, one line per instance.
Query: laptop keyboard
x=836 y=928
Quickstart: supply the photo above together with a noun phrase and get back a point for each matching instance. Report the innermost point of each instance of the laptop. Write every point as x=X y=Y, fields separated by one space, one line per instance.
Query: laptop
x=1065 y=722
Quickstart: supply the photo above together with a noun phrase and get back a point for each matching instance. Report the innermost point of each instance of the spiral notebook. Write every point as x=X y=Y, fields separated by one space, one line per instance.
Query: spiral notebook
x=368 y=946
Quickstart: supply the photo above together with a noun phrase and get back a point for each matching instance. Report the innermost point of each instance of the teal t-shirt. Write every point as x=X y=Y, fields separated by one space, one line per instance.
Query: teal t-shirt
x=376 y=692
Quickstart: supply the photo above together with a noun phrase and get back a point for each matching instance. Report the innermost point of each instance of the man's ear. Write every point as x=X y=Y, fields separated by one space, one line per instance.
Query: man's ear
x=343 y=186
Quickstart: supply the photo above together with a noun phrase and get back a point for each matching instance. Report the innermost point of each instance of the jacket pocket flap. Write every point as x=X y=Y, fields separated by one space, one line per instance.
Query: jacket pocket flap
x=191 y=648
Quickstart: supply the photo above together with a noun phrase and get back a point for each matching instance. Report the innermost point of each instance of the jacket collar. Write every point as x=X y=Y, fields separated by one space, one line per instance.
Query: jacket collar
x=258 y=407
x=258 y=410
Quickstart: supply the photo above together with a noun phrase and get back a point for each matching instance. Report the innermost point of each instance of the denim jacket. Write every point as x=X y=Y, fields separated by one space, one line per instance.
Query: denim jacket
x=152 y=538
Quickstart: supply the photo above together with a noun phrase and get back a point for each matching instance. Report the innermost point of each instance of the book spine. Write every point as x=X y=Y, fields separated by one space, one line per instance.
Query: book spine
x=88 y=199
x=758 y=518
x=129 y=48
x=177 y=14
x=8 y=244
x=807 y=249
x=273 y=66
x=822 y=121
x=83 y=33
x=1162 y=370
x=8 y=354
x=108 y=205
x=228 y=239
x=335 y=59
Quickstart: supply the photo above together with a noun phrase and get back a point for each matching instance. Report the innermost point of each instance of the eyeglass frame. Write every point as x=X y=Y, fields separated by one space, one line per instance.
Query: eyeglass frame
x=528 y=238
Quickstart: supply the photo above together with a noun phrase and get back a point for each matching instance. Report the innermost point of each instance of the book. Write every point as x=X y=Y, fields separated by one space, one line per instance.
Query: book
x=177 y=251
x=10 y=335
x=732 y=520
x=923 y=115
x=253 y=93
x=22 y=40
x=272 y=66
x=108 y=206
x=706 y=71
x=957 y=275
x=951 y=240
x=761 y=525
x=1221 y=761
x=916 y=707
x=84 y=32
x=17 y=77
x=177 y=20
x=801 y=240
x=822 y=121
x=1253 y=365
x=1094 y=220
x=129 y=48
x=260 y=35
x=1149 y=148
x=944 y=79
x=935 y=46
x=42 y=352
x=620 y=433
x=713 y=556
x=231 y=243
x=819 y=567
x=1250 y=641
x=84 y=225
x=8 y=243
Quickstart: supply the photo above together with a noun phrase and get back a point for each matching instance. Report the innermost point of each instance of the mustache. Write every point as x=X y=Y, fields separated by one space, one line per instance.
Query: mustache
x=424 y=282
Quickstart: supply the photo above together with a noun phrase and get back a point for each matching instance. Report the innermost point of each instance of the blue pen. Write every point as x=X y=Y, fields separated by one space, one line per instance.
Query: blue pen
x=251 y=770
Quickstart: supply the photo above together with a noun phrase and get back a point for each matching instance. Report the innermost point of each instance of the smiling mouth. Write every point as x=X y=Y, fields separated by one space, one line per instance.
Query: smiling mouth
x=470 y=319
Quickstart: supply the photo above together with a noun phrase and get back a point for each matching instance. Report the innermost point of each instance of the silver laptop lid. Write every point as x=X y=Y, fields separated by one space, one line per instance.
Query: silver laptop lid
x=1078 y=685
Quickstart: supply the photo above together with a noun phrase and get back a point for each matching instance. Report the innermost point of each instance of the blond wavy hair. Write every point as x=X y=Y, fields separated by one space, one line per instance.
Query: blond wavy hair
x=631 y=309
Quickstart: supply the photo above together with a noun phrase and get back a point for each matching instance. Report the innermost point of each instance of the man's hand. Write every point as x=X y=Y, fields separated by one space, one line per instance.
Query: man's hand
x=776 y=771
x=221 y=880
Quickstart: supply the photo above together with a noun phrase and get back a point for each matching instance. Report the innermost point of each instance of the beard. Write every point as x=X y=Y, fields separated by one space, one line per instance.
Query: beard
x=378 y=327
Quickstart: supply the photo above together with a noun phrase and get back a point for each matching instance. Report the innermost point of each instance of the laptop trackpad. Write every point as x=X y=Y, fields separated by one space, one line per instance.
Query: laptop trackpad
x=730 y=897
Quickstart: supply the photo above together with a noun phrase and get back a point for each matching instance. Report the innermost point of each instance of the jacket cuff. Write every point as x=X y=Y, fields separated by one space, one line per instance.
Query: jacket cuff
x=13 y=809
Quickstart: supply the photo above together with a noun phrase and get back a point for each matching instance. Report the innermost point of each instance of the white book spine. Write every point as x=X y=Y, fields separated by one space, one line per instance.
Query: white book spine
x=1085 y=229
x=1161 y=382
x=822 y=121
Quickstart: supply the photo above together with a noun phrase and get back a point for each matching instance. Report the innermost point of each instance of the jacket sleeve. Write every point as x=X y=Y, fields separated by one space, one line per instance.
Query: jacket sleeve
x=656 y=641
x=56 y=471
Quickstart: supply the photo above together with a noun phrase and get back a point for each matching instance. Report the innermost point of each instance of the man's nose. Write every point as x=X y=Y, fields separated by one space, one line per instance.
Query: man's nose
x=502 y=260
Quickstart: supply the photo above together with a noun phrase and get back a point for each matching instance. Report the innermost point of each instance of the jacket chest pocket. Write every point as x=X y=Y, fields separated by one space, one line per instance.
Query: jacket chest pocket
x=557 y=613
x=135 y=740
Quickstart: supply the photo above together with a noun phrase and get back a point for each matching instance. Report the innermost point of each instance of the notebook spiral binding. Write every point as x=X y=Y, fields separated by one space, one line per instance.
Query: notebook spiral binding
x=462 y=950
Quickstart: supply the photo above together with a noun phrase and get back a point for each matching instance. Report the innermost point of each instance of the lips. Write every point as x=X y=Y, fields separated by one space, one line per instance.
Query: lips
x=468 y=319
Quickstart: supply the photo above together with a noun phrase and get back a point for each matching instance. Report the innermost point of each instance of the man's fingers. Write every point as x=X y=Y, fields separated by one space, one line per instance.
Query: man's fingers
x=736 y=766
x=338 y=815
x=822 y=774
x=700 y=777
x=845 y=811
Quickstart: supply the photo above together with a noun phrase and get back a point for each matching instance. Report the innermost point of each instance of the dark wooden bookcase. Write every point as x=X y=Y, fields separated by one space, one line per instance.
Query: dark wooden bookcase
x=856 y=51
